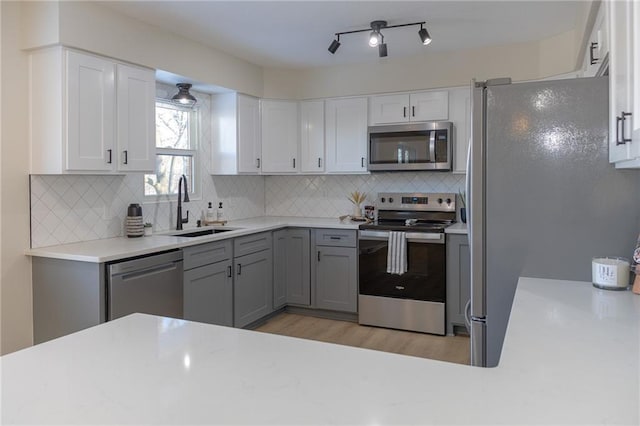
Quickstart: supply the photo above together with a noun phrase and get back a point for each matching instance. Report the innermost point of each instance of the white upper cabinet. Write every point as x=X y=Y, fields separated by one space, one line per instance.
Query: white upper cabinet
x=279 y=136
x=624 y=134
x=597 y=46
x=405 y=107
x=312 y=136
x=136 y=118
x=89 y=114
x=346 y=135
x=460 y=115
x=235 y=134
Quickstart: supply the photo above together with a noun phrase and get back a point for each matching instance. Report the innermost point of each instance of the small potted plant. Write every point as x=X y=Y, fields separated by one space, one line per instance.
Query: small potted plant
x=148 y=229
x=463 y=209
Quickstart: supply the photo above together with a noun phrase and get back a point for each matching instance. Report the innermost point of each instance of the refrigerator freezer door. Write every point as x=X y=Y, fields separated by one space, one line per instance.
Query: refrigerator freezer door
x=475 y=201
x=478 y=343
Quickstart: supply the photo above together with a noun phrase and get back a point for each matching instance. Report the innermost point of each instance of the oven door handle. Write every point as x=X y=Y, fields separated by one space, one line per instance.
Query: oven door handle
x=412 y=237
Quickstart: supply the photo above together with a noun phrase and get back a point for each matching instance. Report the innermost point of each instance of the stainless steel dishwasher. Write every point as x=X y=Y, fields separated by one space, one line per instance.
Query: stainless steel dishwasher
x=150 y=285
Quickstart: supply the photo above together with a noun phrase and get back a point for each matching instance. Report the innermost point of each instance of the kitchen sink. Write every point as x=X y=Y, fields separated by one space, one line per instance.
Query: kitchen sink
x=201 y=232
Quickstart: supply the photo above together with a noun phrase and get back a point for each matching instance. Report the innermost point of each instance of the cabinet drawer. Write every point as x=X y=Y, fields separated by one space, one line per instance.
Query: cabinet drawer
x=251 y=244
x=336 y=237
x=206 y=254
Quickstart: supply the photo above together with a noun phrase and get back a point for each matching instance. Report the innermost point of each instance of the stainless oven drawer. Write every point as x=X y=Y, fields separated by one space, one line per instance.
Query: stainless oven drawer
x=403 y=314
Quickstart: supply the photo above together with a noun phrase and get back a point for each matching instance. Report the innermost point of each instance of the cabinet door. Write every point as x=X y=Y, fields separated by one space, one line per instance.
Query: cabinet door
x=346 y=135
x=279 y=136
x=336 y=278
x=90 y=121
x=279 y=268
x=312 y=136
x=635 y=146
x=389 y=109
x=136 y=96
x=253 y=288
x=458 y=280
x=460 y=115
x=248 y=136
x=298 y=267
x=208 y=294
x=428 y=106
x=620 y=79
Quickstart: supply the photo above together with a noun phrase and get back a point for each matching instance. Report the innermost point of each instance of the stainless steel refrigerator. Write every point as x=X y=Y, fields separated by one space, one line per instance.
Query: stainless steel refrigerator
x=542 y=196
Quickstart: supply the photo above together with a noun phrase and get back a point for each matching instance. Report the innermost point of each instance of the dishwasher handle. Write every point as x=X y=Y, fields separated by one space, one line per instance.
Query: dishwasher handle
x=151 y=271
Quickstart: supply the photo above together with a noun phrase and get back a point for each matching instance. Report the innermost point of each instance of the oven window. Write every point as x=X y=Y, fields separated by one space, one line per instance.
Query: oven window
x=425 y=278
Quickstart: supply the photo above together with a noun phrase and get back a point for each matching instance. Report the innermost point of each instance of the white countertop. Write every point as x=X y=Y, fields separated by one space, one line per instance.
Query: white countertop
x=456 y=228
x=571 y=356
x=111 y=249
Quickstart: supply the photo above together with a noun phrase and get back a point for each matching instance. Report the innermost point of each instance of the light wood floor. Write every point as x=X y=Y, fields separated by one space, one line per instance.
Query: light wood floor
x=443 y=348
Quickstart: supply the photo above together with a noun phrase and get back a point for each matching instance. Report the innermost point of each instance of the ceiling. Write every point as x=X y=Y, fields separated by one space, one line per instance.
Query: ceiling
x=296 y=34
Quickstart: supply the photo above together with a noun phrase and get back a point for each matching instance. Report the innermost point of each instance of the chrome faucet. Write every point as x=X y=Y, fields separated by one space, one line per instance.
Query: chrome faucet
x=180 y=200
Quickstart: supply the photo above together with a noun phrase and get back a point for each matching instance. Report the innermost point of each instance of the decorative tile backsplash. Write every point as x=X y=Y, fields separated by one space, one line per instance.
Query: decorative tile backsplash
x=326 y=195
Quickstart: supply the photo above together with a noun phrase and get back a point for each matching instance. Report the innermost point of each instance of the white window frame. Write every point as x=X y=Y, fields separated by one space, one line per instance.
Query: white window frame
x=195 y=186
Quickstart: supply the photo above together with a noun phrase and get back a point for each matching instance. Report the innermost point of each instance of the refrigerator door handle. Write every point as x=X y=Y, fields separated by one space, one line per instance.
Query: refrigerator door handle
x=467 y=315
x=467 y=191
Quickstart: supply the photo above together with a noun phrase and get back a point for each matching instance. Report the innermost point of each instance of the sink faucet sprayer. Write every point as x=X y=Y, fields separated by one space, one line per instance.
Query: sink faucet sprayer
x=180 y=200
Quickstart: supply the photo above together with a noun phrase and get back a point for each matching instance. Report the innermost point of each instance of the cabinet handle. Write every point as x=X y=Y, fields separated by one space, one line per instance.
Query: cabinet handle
x=623 y=117
x=413 y=111
x=110 y=156
x=361 y=161
x=404 y=112
x=229 y=271
x=334 y=238
x=593 y=60
x=126 y=157
x=318 y=255
x=257 y=163
x=239 y=268
x=294 y=163
x=319 y=162
x=618 y=121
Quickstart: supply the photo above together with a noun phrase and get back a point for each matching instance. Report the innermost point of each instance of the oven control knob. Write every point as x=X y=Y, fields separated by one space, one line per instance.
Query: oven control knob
x=439 y=200
x=382 y=199
x=390 y=200
x=448 y=200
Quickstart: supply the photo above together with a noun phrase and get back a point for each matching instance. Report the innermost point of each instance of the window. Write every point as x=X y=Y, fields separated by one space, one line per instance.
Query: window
x=176 y=150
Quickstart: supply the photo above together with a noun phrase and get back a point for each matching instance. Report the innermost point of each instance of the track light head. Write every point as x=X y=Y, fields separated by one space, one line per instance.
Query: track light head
x=374 y=39
x=382 y=50
x=424 y=35
x=334 y=45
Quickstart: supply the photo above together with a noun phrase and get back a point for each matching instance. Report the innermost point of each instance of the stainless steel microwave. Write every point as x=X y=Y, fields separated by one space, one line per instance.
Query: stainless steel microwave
x=411 y=147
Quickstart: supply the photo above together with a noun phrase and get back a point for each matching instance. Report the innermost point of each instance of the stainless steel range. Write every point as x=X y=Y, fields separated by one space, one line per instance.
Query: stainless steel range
x=413 y=224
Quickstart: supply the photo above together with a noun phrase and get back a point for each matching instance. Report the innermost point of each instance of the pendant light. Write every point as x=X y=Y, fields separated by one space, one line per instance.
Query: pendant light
x=183 y=97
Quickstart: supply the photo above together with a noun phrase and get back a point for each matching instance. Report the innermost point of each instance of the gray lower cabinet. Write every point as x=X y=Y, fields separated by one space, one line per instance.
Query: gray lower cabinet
x=291 y=268
x=208 y=294
x=336 y=274
x=208 y=283
x=68 y=296
x=458 y=280
x=253 y=281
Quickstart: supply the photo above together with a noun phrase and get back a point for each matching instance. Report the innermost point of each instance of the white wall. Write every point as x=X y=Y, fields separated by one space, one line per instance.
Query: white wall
x=15 y=268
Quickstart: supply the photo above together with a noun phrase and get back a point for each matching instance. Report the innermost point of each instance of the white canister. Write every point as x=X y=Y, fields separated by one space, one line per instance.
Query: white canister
x=611 y=273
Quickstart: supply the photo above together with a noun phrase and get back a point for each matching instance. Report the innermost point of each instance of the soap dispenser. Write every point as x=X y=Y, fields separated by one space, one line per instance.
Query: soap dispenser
x=210 y=214
x=219 y=213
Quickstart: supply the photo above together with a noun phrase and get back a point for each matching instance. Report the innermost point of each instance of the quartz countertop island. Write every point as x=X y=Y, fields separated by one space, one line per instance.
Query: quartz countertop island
x=571 y=356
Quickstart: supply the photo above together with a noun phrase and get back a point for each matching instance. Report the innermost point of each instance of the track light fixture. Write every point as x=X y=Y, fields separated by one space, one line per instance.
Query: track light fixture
x=183 y=97
x=377 y=39
x=424 y=35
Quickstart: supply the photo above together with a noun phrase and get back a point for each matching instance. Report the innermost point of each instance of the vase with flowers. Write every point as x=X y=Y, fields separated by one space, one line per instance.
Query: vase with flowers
x=357 y=198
